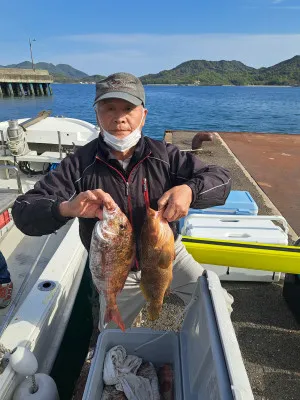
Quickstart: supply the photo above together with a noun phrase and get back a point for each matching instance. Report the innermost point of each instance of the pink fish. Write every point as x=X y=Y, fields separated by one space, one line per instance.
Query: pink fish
x=112 y=253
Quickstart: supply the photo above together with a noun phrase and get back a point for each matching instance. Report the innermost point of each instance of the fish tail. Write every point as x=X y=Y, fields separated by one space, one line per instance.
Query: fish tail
x=144 y=291
x=113 y=314
x=168 y=291
x=154 y=310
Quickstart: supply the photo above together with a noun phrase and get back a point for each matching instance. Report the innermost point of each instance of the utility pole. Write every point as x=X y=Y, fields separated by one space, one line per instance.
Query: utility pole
x=33 y=40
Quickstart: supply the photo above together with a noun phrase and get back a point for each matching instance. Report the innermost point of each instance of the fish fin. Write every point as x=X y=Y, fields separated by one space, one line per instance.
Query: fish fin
x=165 y=259
x=154 y=310
x=113 y=314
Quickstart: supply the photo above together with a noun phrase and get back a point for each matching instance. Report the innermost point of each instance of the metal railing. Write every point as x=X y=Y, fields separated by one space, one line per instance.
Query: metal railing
x=18 y=176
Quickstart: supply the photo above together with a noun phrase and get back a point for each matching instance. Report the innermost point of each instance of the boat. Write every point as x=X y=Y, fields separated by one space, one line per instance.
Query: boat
x=46 y=271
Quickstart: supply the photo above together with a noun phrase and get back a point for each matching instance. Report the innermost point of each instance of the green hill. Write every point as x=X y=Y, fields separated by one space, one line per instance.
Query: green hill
x=60 y=72
x=285 y=73
x=93 y=78
x=202 y=72
x=194 y=72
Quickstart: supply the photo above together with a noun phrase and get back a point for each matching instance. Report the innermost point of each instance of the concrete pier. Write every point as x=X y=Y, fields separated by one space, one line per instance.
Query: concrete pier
x=24 y=82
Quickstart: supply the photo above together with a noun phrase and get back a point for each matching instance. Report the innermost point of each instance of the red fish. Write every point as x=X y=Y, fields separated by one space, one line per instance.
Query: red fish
x=165 y=377
x=112 y=253
x=157 y=255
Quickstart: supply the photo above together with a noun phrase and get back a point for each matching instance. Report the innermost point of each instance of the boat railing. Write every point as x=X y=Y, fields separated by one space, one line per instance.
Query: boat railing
x=18 y=177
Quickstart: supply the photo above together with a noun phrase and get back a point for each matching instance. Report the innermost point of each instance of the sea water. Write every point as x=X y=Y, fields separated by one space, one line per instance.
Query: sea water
x=213 y=108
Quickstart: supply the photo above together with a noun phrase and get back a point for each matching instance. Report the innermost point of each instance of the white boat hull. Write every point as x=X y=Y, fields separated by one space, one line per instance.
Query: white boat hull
x=41 y=320
x=44 y=132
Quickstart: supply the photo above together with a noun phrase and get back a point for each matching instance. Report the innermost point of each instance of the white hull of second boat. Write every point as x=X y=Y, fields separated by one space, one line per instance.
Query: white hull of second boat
x=42 y=317
x=72 y=131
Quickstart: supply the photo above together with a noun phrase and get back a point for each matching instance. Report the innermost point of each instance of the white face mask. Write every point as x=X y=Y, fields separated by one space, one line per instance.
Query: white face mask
x=125 y=143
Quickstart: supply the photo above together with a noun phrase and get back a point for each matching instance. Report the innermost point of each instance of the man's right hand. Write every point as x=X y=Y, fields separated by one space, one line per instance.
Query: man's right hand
x=87 y=204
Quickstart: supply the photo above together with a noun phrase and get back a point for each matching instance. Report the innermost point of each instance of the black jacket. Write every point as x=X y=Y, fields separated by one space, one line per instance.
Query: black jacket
x=92 y=167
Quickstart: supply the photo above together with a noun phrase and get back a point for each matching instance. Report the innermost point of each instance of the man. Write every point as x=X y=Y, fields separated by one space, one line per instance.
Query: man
x=120 y=167
x=6 y=285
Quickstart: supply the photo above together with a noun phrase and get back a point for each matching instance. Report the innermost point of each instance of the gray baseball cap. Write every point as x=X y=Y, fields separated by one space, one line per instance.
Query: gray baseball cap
x=121 y=86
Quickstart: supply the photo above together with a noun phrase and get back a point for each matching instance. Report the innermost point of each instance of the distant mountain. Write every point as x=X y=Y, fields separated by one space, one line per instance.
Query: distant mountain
x=93 y=78
x=70 y=71
x=60 y=72
x=285 y=73
x=194 y=72
x=202 y=72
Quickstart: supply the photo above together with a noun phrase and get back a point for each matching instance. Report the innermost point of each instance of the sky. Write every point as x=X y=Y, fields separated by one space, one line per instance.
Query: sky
x=102 y=37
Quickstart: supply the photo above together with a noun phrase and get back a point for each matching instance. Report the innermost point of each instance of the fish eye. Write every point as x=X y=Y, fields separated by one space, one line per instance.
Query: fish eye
x=122 y=227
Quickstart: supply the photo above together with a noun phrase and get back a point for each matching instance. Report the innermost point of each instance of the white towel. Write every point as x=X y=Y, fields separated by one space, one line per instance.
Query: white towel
x=120 y=370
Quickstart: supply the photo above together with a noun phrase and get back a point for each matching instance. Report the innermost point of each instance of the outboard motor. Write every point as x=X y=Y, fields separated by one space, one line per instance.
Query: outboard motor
x=16 y=140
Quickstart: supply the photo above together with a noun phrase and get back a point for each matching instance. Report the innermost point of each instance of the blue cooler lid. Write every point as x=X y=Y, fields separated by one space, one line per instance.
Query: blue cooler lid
x=211 y=362
x=238 y=202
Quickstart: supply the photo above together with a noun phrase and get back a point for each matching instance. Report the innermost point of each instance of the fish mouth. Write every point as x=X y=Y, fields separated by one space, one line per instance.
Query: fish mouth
x=103 y=233
x=159 y=214
x=107 y=214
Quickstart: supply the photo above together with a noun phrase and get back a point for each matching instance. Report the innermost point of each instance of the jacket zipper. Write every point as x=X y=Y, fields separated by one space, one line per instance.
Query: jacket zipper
x=126 y=181
x=146 y=193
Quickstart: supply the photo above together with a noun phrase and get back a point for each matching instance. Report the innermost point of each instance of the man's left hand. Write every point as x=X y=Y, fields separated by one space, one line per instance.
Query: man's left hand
x=176 y=202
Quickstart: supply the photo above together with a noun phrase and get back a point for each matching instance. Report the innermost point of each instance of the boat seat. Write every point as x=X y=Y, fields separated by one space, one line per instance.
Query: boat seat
x=7 y=200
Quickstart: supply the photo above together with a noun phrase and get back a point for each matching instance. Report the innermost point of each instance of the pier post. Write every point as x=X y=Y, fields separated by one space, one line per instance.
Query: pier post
x=50 y=89
x=45 y=88
x=41 y=89
x=36 y=89
x=21 y=89
x=31 y=89
x=1 y=93
x=10 y=90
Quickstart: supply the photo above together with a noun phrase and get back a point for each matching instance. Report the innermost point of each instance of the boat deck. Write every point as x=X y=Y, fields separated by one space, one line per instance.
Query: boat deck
x=26 y=256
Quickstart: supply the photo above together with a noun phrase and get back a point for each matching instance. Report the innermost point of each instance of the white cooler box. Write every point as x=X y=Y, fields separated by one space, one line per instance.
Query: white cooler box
x=205 y=355
x=259 y=229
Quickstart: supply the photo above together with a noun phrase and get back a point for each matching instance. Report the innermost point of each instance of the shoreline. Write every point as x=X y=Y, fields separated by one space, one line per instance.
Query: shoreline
x=192 y=85
x=184 y=84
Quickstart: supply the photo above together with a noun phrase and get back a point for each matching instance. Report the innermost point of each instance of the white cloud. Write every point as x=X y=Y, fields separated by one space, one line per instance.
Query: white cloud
x=287 y=8
x=283 y=7
x=145 y=53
